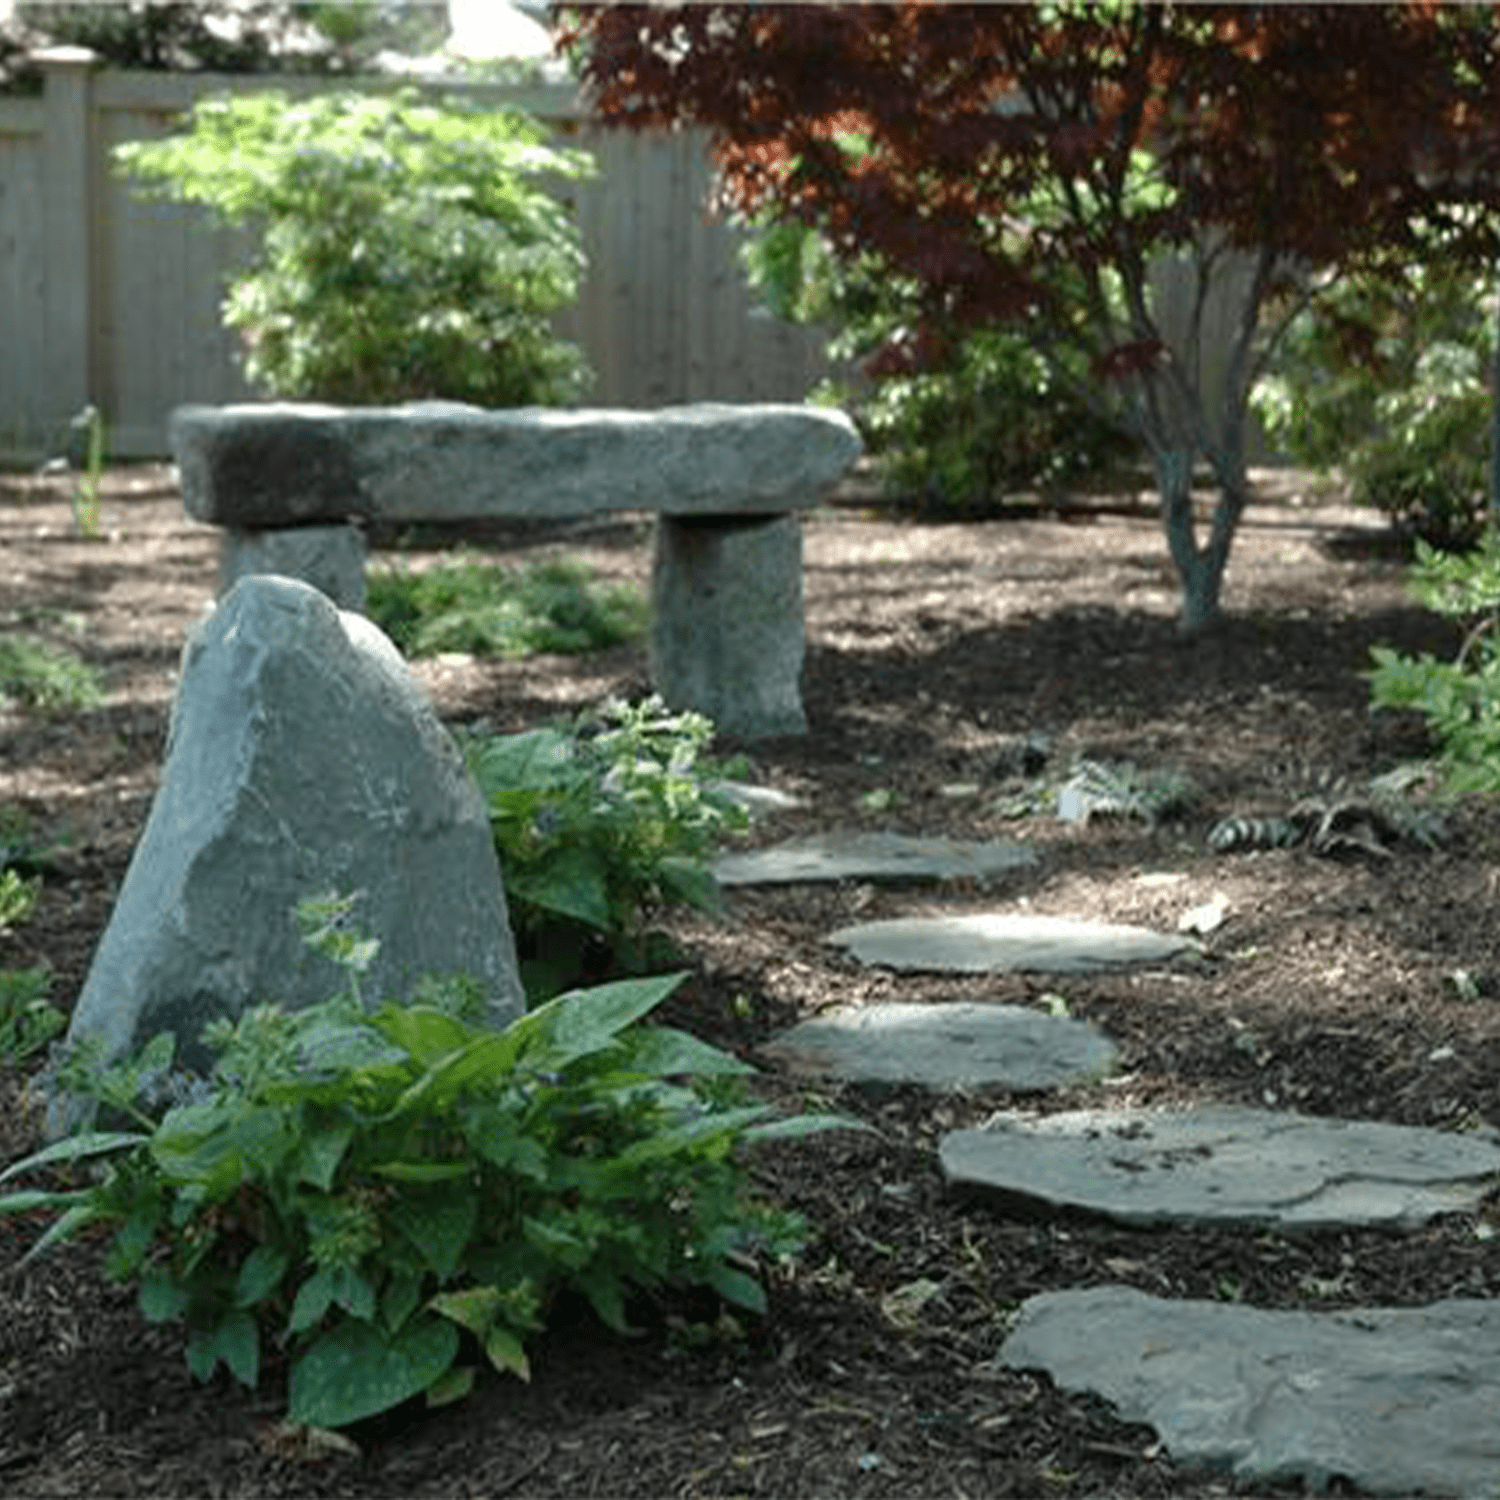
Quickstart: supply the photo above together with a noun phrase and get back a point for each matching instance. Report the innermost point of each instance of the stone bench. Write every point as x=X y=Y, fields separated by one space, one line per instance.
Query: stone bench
x=291 y=483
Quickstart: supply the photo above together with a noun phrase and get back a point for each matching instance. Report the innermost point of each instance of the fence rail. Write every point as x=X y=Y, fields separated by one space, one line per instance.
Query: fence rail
x=111 y=300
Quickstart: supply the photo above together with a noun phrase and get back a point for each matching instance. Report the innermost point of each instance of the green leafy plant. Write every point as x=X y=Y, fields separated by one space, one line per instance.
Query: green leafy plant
x=409 y=249
x=468 y=604
x=34 y=674
x=1384 y=378
x=598 y=825
x=28 y=1021
x=88 y=429
x=958 y=425
x=18 y=898
x=1459 y=699
x=383 y=1200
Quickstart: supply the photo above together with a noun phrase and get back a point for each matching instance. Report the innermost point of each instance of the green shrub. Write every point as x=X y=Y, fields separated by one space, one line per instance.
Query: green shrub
x=35 y=674
x=1385 y=378
x=1459 y=699
x=598 y=825
x=18 y=898
x=479 y=607
x=357 y=1192
x=958 y=425
x=409 y=250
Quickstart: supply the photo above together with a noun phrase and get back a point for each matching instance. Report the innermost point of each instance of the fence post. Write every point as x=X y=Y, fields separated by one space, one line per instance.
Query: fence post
x=68 y=265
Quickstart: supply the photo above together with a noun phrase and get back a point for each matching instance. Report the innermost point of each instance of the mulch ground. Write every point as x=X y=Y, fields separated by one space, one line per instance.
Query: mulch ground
x=1330 y=988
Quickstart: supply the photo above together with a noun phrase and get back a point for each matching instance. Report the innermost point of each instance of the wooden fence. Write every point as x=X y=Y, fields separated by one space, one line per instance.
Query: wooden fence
x=111 y=300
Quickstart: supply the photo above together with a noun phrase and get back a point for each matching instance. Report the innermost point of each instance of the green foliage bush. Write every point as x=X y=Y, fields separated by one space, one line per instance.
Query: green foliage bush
x=410 y=250
x=472 y=605
x=1459 y=699
x=957 y=428
x=365 y=1194
x=1386 y=379
x=599 y=824
x=35 y=674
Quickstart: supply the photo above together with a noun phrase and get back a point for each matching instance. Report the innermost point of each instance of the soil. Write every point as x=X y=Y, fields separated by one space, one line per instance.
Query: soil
x=1357 y=988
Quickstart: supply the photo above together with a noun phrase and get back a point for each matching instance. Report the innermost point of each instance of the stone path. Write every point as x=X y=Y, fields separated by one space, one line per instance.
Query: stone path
x=1014 y=941
x=1392 y=1401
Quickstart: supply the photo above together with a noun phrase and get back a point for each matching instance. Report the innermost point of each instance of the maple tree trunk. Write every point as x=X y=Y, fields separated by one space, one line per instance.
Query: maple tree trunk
x=1200 y=569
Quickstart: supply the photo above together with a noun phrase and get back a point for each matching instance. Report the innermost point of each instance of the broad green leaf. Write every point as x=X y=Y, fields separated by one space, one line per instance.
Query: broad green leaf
x=236 y=1341
x=422 y=1171
x=506 y=1352
x=20 y=1203
x=555 y=1242
x=664 y=1051
x=133 y=1239
x=486 y=1059
x=452 y=1385
x=403 y=1291
x=439 y=1224
x=500 y=1141
x=354 y=1292
x=691 y=1133
x=587 y=1021
x=314 y=1298
x=355 y=1370
x=473 y=1308
x=736 y=1286
x=320 y=1154
x=427 y=1035
x=260 y=1275
x=571 y=882
x=161 y=1298
x=76 y=1148
x=607 y=1298
x=76 y=1218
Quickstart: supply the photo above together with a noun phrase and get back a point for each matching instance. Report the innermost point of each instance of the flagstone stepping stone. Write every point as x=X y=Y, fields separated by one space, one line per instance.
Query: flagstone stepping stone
x=870 y=856
x=1223 y=1165
x=981 y=943
x=1390 y=1401
x=964 y=1044
x=757 y=800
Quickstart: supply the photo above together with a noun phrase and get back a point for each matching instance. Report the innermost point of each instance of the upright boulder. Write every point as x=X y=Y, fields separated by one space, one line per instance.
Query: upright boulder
x=303 y=759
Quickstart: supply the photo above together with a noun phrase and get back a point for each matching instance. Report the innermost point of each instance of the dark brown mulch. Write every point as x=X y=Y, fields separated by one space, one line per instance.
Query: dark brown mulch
x=1330 y=988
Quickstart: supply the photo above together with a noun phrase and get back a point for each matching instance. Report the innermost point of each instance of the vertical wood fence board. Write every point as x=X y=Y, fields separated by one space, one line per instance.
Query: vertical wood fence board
x=22 y=350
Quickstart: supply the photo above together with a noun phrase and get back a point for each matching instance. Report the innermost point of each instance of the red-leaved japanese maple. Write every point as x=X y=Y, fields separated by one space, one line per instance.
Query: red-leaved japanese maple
x=1033 y=165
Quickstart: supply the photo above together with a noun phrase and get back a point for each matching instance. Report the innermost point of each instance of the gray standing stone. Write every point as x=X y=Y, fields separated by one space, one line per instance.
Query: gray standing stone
x=958 y=1045
x=303 y=759
x=1226 y=1165
x=726 y=622
x=1390 y=1401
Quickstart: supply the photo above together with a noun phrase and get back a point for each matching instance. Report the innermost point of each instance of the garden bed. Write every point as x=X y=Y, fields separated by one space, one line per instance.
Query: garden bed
x=1366 y=988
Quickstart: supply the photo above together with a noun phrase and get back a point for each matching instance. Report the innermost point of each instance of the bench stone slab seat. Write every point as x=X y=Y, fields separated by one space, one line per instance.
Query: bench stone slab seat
x=290 y=481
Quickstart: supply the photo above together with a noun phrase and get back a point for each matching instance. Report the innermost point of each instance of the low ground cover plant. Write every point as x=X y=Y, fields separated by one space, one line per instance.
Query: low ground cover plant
x=386 y=1200
x=1459 y=699
x=600 y=823
x=39 y=676
x=480 y=607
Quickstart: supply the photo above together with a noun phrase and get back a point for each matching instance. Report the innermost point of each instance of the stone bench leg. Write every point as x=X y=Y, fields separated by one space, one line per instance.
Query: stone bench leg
x=331 y=558
x=727 y=633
